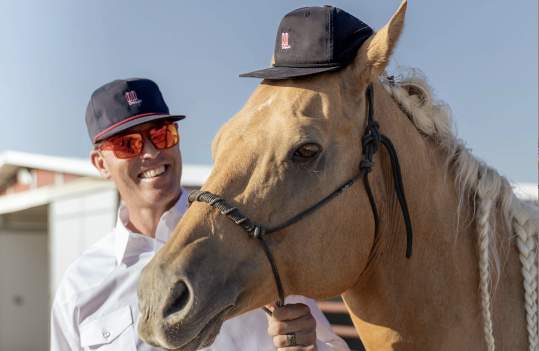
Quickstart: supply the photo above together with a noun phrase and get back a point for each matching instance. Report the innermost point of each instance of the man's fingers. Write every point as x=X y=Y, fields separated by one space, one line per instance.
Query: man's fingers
x=306 y=339
x=305 y=323
x=293 y=319
x=291 y=311
x=298 y=348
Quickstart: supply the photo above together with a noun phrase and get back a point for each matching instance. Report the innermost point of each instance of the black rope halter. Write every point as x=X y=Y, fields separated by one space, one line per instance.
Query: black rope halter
x=372 y=138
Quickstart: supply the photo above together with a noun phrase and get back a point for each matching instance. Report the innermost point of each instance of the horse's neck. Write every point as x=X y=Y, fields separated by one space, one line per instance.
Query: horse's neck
x=431 y=300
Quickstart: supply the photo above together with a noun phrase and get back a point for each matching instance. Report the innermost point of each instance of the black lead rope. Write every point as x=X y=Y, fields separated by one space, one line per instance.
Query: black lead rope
x=371 y=140
x=399 y=190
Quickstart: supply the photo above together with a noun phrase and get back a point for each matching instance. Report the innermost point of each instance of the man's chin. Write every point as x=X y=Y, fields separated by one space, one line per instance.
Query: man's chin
x=159 y=197
x=157 y=189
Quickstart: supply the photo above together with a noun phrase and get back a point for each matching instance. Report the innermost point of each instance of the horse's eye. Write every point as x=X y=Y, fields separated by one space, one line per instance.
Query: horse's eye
x=306 y=152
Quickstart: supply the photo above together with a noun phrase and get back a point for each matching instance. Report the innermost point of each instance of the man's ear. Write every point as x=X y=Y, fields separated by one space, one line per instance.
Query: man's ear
x=99 y=163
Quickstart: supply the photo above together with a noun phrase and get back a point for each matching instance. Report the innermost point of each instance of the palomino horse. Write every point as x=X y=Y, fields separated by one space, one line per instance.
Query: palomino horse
x=296 y=141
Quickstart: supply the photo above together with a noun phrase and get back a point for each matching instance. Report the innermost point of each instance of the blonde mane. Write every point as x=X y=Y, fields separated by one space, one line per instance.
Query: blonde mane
x=490 y=194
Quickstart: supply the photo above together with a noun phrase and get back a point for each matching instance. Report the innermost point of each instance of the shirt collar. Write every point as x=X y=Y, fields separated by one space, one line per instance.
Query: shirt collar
x=128 y=243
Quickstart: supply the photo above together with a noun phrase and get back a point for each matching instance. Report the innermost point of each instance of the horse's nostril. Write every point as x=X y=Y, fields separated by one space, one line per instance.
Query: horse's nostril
x=178 y=299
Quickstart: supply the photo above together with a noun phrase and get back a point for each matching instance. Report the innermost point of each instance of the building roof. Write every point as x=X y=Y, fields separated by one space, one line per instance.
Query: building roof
x=42 y=196
x=11 y=161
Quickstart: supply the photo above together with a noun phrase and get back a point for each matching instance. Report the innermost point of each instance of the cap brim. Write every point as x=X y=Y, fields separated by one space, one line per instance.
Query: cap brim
x=136 y=122
x=276 y=73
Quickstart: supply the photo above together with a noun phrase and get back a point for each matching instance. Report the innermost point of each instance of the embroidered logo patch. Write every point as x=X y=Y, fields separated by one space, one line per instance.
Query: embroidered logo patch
x=284 y=41
x=132 y=99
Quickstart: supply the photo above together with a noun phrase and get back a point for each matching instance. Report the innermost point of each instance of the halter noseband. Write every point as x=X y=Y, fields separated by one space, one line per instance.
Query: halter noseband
x=371 y=140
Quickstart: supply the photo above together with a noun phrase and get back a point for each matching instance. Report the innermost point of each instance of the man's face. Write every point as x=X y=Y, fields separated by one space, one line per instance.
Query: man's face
x=150 y=179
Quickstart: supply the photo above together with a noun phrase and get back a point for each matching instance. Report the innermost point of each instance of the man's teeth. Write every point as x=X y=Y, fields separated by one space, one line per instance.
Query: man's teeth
x=153 y=172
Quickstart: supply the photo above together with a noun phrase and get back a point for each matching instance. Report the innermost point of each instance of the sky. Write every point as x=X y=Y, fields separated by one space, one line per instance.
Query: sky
x=480 y=56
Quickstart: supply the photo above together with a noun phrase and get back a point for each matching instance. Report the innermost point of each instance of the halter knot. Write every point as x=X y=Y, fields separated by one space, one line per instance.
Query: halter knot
x=372 y=136
x=371 y=141
x=366 y=165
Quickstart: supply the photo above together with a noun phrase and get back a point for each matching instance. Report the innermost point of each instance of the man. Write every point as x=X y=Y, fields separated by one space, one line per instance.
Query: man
x=137 y=147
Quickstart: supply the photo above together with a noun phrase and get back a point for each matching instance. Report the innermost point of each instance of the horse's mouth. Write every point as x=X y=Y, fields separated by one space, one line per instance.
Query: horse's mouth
x=207 y=334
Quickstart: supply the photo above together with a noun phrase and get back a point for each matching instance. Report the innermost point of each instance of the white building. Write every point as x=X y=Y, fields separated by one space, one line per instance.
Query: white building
x=51 y=209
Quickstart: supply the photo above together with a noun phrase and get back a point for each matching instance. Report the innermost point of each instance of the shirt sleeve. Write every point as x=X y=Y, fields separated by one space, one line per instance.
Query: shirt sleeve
x=63 y=334
x=326 y=339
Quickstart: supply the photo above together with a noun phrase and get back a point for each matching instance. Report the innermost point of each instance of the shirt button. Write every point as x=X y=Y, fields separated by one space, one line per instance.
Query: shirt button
x=106 y=334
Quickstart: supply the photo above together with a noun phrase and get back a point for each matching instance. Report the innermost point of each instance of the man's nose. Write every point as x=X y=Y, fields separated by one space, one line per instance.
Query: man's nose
x=149 y=150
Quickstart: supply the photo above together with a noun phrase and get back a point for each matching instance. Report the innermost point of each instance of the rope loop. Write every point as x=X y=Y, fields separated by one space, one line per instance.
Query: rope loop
x=372 y=138
x=370 y=141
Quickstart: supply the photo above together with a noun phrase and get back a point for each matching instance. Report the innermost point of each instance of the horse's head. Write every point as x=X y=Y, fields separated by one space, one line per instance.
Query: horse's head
x=293 y=143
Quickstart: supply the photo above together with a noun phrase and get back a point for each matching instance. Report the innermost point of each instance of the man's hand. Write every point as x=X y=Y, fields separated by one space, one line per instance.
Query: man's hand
x=293 y=328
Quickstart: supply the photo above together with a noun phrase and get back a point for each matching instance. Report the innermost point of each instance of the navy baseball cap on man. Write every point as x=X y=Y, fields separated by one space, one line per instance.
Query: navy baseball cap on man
x=312 y=40
x=122 y=104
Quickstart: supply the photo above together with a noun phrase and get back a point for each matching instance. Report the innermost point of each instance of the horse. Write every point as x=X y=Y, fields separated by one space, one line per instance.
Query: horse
x=470 y=282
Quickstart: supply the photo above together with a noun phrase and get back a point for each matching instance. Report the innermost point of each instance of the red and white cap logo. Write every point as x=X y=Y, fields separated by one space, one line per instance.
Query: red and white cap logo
x=132 y=99
x=284 y=41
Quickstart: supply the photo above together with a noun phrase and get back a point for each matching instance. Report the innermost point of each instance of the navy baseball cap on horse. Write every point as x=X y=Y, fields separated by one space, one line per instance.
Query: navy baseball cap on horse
x=122 y=104
x=312 y=40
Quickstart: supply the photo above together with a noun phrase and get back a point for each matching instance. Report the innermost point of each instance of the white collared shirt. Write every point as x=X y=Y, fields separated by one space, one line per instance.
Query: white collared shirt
x=96 y=306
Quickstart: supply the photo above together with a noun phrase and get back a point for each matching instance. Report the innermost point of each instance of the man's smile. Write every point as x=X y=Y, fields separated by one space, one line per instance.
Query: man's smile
x=154 y=172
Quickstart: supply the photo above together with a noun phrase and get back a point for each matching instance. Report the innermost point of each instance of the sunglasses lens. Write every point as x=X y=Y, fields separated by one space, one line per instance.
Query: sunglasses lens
x=127 y=146
x=131 y=145
x=165 y=136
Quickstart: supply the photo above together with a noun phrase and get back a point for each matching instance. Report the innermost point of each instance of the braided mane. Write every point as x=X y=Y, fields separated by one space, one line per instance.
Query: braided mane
x=490 y=194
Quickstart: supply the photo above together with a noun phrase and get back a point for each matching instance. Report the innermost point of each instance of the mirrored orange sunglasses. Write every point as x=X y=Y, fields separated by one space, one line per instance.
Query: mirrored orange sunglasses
x=131 y=144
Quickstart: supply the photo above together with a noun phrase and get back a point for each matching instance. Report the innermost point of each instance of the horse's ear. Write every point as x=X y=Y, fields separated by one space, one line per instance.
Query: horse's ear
x=374 y=55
